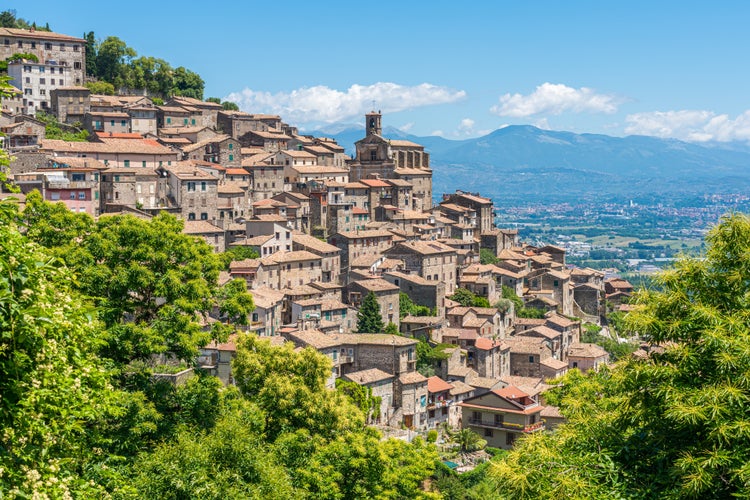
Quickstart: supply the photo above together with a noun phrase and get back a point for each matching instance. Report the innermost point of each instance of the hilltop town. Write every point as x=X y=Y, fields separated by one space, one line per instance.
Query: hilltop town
x=331 y=233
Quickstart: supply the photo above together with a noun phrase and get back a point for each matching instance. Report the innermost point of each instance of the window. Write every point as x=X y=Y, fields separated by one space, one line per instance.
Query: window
x=184 y=121
x=122 y=124
x=7 y=42
x=373 y=155
x=169 y=120
x=575 y=364
x=112 y=123
x=488 y=433
x=54 y=196
x=555 y=283
x=127 y=163
x=81 y=195
x=499 y=419
x=75 y=48
x=192 y=122
x=203 y=185
x=204 y=216
x=191 y=216
x=72 y=196
x=231 y=146
x=41 y=69
x=143 y=163
x=191 y=186
x=33 y=45
x=52 y=81
x=510 y=438
x=60 y=82
x=20 y=44
x=42 y=81
x=76 y=65
x=531 y=359
x=231 y=157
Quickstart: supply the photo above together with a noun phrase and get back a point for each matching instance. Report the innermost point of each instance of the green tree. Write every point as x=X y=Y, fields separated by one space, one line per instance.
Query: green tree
x=151 y=283
x=361 y=396
x=230 y=461
x=487 y=256
x=230 y=106
x=235 y=253
x=290 y=387
x=214 y=100
x=52 y=386
x=101 y=88
x=91 y=53
x=112 y=56
x=674 y=425
x=369 y=319
x=187 y=83
x=408 y=308
x=510 y=294
x=468 y=299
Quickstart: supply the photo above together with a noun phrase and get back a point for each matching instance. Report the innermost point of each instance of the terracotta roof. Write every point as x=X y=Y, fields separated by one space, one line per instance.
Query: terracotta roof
x=134 y=146
x=511 y=392
x=367 y=376
x=295 y=256
x=412 y=378
x=553 y=363
x=484 y=382
x=200 y=227
x=436 y=384
x=376 y=285
x=36 y=34
x=314 y=244
x=486 y=344
x=551 y=412
x=404 y=144
x=460 y=388
x=374 y=183
x=586 y=350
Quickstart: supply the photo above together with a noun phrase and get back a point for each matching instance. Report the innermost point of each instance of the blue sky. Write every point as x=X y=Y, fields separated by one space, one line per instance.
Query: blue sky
x=456 y=69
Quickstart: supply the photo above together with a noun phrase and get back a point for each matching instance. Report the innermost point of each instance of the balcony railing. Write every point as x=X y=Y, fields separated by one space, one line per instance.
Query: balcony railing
x=508 y=425
x=439 y=404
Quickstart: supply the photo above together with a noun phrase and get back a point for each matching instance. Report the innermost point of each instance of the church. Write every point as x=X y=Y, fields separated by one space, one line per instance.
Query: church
x=381 y=158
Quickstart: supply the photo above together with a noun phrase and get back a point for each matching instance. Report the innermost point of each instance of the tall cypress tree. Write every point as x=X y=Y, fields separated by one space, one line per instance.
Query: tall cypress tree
x=369 y=319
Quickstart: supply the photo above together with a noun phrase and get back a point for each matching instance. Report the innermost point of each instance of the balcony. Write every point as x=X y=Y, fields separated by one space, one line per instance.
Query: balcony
x=439 y=404
x=507 y=425
x=346 y=359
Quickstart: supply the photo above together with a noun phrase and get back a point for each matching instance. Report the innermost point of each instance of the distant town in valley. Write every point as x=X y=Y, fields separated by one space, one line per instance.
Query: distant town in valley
x=502 y=296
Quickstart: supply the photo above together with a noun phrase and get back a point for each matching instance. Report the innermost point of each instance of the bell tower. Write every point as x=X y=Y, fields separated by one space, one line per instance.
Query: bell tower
x=372 y=123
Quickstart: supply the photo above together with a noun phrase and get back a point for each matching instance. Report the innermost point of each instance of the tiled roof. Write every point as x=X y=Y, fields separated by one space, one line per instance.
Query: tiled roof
x=436 y=384
x=35 y=34
x=368 y=376
x=200 y=227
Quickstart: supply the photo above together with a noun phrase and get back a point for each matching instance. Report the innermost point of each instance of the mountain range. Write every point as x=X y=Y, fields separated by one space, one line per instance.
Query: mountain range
x=522 y=163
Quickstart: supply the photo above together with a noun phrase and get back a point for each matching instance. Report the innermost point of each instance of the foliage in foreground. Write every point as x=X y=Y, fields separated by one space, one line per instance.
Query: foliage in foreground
x=673 y=426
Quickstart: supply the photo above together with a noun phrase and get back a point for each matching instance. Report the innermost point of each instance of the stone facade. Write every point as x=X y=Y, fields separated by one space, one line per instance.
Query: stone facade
x=67 y=51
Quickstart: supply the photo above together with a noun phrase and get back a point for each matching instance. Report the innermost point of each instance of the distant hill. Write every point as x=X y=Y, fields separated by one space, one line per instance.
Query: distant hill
x=518 y=163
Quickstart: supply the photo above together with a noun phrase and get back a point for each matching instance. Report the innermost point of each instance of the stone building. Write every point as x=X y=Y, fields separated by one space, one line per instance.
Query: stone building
x=385 y=293
x=70 y=103
x=116 y=152
x=130 y=187
x=193 y=190
x=360 y=243
x=378 y=157
x=67 y=51
x=37 y=80
x=330 y=256
x=423 y=292
x=210 y=233
x=525 y=355
x=381 y=384
x=432 y=260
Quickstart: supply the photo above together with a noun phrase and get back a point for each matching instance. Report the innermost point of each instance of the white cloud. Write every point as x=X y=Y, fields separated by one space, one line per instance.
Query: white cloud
x=690 y=125
x=321 y=104
x=438 y=133
x=466 y=127
x=554 y=99
x=542 y=124
x=406 y=127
